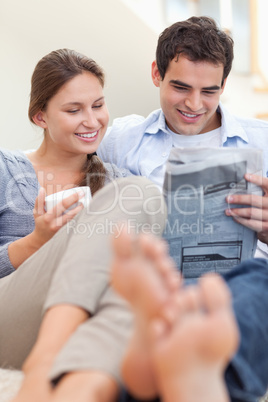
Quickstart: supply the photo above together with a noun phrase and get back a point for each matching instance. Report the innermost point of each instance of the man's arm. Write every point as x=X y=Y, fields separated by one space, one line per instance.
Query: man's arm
x=255 y=215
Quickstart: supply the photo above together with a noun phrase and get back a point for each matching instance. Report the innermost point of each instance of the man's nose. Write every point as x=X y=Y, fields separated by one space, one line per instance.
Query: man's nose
x=194 y=101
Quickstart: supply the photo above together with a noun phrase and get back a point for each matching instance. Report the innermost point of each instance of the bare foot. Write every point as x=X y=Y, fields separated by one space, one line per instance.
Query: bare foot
x=190 y=355
x=85 y=386
x=143 y=273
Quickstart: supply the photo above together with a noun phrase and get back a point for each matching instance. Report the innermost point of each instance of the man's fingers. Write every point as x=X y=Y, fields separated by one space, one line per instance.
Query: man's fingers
x=249 y=213
x=256 y=201
x=255 y=225
x=253 y=218
x=258 y=180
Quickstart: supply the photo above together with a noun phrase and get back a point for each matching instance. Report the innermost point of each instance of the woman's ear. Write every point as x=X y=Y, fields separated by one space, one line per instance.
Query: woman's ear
x=38 y=118
x=155 y=74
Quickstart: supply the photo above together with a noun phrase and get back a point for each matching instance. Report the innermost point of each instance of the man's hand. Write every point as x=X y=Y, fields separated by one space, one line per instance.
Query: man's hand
x=255 y=214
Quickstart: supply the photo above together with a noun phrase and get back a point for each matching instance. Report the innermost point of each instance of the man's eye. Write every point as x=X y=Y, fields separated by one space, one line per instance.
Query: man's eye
x=209 y=92
x=181 y=88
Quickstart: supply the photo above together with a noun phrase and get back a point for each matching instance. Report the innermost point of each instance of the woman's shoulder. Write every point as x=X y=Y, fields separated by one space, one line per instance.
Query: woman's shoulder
x=13 y=157
x=16 y=168
x=114 y=172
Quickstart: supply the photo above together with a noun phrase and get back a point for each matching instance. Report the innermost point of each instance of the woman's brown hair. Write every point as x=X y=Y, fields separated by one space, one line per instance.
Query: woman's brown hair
x=50 y=74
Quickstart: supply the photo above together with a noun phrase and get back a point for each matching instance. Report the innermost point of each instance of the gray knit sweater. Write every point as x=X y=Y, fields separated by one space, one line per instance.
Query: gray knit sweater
x=18 y=191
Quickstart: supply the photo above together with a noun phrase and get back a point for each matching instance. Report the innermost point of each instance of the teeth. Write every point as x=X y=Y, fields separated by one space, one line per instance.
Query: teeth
x=188 y=114
x=87 y=135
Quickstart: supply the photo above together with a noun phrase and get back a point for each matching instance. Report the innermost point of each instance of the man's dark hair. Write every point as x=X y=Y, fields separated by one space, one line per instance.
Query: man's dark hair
x=198 y=39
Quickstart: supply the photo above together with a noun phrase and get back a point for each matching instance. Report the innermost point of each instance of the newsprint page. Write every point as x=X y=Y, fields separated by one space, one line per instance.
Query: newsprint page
x=201 y=237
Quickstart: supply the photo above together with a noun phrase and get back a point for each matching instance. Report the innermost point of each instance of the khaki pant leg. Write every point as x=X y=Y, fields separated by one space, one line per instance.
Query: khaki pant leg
x=100 y=342
x=22 y=297
x=83 y=273
x=73 y=266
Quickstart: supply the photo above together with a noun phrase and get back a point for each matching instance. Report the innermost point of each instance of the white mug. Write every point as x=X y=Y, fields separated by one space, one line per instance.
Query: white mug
x=53 y=199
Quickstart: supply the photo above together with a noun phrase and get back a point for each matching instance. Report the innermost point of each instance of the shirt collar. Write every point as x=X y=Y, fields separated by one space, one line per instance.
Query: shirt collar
x=230 y=126
x=158 y=123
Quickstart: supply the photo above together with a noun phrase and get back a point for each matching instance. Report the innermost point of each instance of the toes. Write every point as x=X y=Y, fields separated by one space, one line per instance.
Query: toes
x=174 y=280
x=153 y=247
x=189 y=300
x=214 y=292
x=122 y=243
x=122 y=246
x=158 y=328
x=183 y=305
x=156 y=250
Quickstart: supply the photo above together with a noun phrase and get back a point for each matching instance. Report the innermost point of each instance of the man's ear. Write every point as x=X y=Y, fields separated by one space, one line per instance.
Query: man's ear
x=223 y=85
x=155 y=74
x=38 y=118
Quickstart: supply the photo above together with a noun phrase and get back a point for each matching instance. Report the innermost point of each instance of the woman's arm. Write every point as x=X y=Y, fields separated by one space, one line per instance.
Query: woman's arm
x=47 y=223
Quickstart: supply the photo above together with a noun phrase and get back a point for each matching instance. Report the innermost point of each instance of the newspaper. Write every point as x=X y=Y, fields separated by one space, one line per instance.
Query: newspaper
x=201 y=237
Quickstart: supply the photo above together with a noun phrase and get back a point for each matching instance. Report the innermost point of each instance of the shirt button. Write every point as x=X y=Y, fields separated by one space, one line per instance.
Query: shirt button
x=164 y=154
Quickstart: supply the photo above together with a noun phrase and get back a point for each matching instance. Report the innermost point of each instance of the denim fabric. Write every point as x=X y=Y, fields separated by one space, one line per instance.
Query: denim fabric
x=247 y=375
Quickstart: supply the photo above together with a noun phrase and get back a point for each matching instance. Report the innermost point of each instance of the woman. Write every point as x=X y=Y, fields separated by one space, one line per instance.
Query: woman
x=55 y=294
x=67 y=102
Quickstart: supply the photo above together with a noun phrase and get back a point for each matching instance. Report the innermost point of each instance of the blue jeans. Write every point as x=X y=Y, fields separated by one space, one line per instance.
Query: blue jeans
x=247 y=374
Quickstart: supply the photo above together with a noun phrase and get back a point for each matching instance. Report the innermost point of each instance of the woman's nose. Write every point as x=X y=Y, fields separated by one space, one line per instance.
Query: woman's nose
x=89 y=119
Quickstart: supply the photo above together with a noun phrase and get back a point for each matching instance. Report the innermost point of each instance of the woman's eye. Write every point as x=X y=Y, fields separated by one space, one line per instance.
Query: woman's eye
x=72 y=111
x=96 y=107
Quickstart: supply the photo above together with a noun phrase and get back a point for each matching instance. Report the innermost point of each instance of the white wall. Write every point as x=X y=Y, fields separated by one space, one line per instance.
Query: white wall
x=152 y=12
x=109 y=32
x=105 y=30
x=262 y=11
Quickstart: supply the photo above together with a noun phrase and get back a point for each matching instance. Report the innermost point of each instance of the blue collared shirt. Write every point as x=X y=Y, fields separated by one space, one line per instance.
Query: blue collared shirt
x=143 y=145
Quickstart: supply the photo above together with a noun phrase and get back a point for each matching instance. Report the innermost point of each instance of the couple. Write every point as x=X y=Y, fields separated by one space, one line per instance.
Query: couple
x=78 y=325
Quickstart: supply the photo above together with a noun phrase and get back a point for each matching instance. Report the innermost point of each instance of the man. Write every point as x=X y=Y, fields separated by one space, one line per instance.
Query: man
x=194 y=329
x=193 y=60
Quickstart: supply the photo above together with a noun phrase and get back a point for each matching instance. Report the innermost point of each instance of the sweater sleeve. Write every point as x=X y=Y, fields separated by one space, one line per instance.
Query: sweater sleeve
x=6 y=267
x=18 y=191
